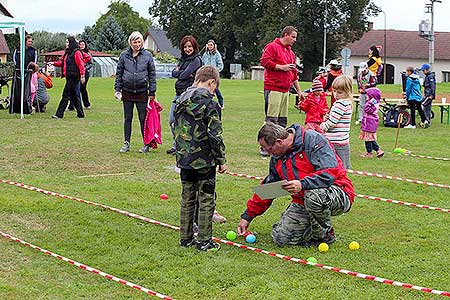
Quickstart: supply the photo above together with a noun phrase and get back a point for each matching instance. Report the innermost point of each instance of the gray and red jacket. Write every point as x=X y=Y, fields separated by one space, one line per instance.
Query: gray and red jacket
x=311 y=160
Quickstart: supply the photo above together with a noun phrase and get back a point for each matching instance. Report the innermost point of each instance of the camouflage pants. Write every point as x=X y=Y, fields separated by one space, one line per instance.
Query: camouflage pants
x=300 y=224
x=198 y=190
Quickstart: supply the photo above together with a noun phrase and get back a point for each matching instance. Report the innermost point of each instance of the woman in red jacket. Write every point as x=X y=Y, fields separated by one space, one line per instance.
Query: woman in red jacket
x=72 y=65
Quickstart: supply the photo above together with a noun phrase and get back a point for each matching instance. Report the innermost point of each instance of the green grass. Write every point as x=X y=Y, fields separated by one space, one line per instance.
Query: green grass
x=397 y=242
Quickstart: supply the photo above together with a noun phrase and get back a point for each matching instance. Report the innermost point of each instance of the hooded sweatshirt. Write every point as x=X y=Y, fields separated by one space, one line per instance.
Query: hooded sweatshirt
x=413 y=90
x=369 y=122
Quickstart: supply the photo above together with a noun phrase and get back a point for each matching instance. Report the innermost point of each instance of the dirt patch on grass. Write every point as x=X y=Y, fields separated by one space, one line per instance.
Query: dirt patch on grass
x=27 y=222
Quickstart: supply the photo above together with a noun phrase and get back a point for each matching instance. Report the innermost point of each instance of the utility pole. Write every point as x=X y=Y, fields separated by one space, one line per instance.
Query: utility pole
x=429 y=9
x=324 y=61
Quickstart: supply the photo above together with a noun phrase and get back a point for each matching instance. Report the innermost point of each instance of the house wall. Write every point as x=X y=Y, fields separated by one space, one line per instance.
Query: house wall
x=3 y=57
x=400 y=65
x=150 y=44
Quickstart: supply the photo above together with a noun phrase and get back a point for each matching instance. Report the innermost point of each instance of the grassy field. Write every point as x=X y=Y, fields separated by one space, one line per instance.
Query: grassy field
x=397 y=242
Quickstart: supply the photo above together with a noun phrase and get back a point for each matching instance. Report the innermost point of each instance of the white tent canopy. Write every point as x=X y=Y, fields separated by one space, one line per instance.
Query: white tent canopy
x=8 y=22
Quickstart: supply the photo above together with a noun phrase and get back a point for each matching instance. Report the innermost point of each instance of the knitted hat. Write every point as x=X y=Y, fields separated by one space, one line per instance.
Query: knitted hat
x=317 y=86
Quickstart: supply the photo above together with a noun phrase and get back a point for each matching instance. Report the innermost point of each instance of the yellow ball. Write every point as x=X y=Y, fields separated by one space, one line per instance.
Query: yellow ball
x=353 y=246
x=323 y=247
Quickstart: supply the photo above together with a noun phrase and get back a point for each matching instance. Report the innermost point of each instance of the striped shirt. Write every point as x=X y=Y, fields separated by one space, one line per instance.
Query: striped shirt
x=337 y=126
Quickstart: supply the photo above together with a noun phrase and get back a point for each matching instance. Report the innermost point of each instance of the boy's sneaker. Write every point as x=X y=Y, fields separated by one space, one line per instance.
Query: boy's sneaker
x=171 y=151
x=410 y=126
x=357 y=122
x=426 y=124
x=208 y=246
x=125 y=147
x=187 y=243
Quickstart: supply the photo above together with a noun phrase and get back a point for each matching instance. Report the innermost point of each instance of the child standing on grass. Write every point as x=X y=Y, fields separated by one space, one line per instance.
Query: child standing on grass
x=369 y=123
x=337 y=126
x=199 y=149
x=315 y=106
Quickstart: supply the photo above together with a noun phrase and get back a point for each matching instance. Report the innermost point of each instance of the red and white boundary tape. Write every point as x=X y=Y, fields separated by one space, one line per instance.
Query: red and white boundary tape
x=230 y=243
x=429 y=157
x=364 y=173
x=403 y=203
x=359 y=195
x=87 y=268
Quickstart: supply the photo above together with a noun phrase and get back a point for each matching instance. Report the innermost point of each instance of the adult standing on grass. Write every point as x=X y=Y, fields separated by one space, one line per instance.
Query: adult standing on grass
x=72 y=65
x=429 y=93
x=87 y=57
x=31 y=54
x=184 y=72
x=375 y=62
x=212 y=57
x=280 y=73
x=135 y=85
x=314 y=176
x=413 y=94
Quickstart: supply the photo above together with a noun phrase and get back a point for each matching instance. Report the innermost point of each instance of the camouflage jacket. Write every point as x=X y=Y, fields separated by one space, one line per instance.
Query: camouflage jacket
x=198 y=130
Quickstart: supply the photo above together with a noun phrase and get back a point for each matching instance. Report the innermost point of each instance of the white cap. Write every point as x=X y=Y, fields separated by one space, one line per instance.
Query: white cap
x=362 y=66
x=335 y=62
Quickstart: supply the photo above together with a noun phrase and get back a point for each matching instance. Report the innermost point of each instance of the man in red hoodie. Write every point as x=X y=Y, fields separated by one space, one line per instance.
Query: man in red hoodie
x=315 y=178
x=280 y=73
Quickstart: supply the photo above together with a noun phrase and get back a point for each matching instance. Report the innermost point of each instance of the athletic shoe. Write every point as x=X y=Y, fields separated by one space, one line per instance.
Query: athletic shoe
x=87 y=107
x=410 y=126
x=144 y=149
x=426 y=124
x=380 y=153
x=329 y=237
x=55 y=117
x=217 y=218
x=171 y=151
x=208 y=246
x=125 y=147
x=187 y=243
x=367 y=155
x=357 y=122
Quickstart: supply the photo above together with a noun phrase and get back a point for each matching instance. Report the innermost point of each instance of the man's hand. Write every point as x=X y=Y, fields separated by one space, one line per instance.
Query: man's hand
x=151 y=98
x=285 y=68
x=293 y=186
x=82 y=79
x=242 y=226
x=222 y=168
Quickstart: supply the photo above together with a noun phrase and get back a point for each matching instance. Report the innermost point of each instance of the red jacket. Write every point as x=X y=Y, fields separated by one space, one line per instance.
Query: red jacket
x=309 y=161
x=78 y=60
x=275 y=53
x=152 y=125
x=315 y=109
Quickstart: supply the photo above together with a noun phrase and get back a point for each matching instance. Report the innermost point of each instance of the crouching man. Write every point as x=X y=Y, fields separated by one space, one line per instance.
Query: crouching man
x=315 y=178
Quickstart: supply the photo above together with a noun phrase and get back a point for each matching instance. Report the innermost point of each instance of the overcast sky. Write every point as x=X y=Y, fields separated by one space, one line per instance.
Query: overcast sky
x=71 y=16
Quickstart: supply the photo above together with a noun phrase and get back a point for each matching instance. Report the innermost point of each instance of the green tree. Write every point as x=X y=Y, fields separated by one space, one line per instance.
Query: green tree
x=45 y=41
x=111 y=36
x=128 y=19
x=90 y=37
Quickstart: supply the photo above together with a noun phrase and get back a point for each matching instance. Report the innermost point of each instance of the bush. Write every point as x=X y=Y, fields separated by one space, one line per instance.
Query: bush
x=7 y=69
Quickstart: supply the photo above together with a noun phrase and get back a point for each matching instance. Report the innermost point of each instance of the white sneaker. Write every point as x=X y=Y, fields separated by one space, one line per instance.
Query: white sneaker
x=410 y=126
x=357 y=122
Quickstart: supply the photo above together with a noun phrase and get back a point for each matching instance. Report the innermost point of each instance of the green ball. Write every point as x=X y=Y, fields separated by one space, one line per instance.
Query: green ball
x=311 y=260
x=231 y=235
x=398 y=150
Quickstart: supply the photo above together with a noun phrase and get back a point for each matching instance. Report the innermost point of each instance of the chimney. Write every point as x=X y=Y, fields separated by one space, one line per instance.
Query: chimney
x=370 y=26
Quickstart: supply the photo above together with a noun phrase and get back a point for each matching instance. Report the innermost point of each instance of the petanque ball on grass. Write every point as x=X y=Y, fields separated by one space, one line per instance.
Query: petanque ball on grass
x=353 y=245
x=398 y=150
x=323 y=247
x=231 y=235
x=163 y=197
x=311 y=260
x=251 y=238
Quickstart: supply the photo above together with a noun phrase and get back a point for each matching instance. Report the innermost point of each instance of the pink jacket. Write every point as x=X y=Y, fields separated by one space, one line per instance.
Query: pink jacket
x=152 y=129
x=33 y=85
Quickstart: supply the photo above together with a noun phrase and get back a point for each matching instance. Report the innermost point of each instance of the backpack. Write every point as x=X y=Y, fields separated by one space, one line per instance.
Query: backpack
x=391 y=118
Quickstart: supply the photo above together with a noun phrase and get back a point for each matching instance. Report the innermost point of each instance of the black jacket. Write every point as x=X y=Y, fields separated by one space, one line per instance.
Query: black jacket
x=136 y=74
x=429 y=85
x=30 y=56
x=187 y=67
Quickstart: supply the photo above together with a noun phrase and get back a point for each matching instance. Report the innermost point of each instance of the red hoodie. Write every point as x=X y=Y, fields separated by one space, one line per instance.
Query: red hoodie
x=314 y=108
x=78 y=60
x=275 y=53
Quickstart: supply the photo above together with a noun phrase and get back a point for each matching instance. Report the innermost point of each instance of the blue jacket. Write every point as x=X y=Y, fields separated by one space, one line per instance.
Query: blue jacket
x=136 y=74
x=429 y=85
x=213 y=59
x=413 y=90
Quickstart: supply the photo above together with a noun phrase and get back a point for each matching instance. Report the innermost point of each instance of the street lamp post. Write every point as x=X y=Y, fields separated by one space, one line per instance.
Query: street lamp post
x=385 y=52
x=325 y=36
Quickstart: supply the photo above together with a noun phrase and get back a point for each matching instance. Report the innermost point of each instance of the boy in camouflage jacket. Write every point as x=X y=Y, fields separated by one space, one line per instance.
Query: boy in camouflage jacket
x=200 y=149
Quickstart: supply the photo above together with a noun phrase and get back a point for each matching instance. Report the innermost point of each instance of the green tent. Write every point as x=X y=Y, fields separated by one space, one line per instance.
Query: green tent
x=8 y=22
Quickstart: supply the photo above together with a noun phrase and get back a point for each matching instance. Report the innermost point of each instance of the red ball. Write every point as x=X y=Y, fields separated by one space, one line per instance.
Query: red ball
x=163 y=197
x=247 y=233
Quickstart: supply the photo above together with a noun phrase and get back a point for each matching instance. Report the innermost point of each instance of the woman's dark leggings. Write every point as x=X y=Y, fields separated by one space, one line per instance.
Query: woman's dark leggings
x=372 y=145
x=84 y=93
x=128 y=117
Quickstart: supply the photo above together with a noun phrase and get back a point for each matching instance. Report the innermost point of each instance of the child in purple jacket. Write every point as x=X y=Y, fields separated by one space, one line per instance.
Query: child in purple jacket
x=369 y=123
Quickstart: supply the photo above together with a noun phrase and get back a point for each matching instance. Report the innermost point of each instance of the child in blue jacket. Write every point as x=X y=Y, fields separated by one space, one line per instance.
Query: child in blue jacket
x=413 y=95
